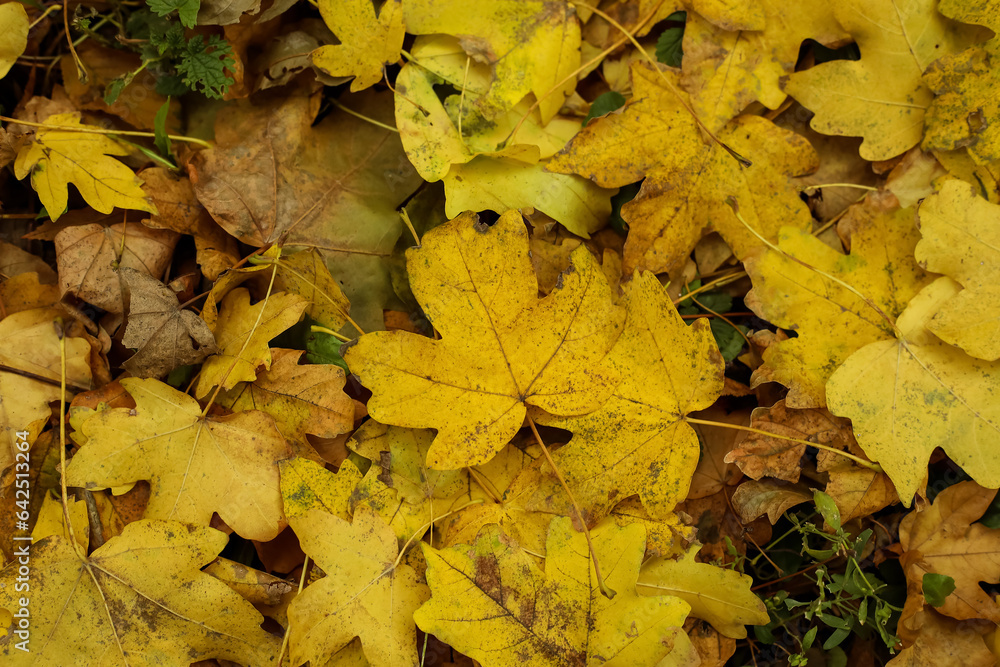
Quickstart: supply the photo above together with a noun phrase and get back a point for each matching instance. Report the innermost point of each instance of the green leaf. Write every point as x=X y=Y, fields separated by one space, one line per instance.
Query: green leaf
x=625 y=194
x=160 y=137
x=203 y=66
x=828 y=508
x=187 y=10
x=604 y=104
x=839 y=635
x=809 y=638
x=728 y=339
x=669 y=47
x=323 y=348
x=937 y=587
x=114 y=89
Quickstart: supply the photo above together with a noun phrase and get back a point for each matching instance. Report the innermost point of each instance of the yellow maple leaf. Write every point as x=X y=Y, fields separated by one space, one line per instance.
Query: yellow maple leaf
x=908 y=395
x=242 y=334
x=139 y=599
x=301 y=399
x=195 y=465
x=307 y=485
x=898 y=41
x=961 y=239
x=29 y=381
x=685 y=197
x=716 y=594
x=967 y=97
x=492 y=603
x=621 y=148
x=367 y=42
x=532 y=45
x=687 y=181
x=365 y=594
x=832 y=322
x=304 y=273
x=510 y=491
x=58 y=157
x=501 y=347
x=13 y=35
x=943 y=539
x=742 y=57
x=637 y=441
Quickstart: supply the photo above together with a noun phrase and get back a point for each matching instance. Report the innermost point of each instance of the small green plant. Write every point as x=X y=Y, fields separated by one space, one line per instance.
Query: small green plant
x=180 y=64
x=841 y=597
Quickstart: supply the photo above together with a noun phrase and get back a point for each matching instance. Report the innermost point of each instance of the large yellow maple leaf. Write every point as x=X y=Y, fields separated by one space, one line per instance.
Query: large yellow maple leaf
x=637 y=442
x=914 y=392
x=58 y=157
x=501 y=346
x=832 y=321
x=195 y=465
x=961 y=239
x=365 y=594
x=532 y=45
x=944 y=539
x=491 y=602
x=882 y=96
x=140 y=599
x=967 y=98
x=367 y=42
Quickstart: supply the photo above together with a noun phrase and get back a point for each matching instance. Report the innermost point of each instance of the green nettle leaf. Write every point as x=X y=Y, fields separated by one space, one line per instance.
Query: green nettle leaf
x=203 y=66
x=187 y=10
x=937 y=587
x=113 y=90
x=605 y=104
x=669 y=47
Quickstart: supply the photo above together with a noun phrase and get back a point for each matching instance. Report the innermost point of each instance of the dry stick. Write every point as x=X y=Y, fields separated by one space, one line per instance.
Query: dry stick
x=81 y=71
x=68 y=525
x=461 y=101
x=263 y=306
x=736 y=156
x=607 y=592
x=302 y=584
x=857 y=459
x=840 y=185
x=96 y=130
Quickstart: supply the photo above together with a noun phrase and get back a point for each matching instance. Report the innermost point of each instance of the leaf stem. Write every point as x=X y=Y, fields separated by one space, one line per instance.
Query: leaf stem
x=53 y=8
x=857 y=459
x=409 y=225
x=86 y=129
x=330 y=332
x=363 y=117
x=607 y=592
x=246 y=342
x=302 y=584
x=64 y=497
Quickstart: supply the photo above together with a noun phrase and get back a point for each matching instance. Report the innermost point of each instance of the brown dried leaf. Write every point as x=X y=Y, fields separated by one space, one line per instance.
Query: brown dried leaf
x=163 y=335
